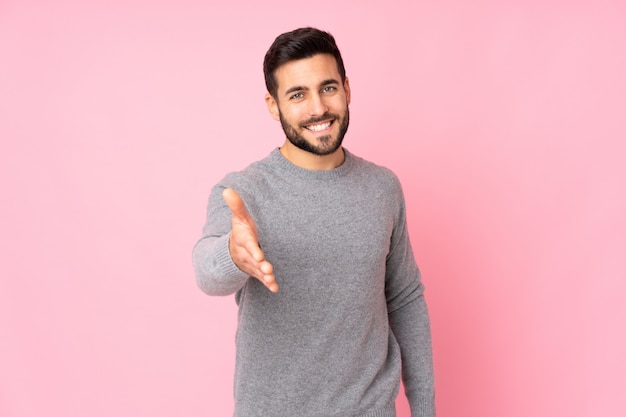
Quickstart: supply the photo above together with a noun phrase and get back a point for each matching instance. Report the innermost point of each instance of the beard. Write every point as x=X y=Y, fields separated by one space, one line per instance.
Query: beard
x=327 y=144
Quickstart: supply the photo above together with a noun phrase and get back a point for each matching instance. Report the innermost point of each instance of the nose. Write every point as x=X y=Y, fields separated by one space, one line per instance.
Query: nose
x=317 y=105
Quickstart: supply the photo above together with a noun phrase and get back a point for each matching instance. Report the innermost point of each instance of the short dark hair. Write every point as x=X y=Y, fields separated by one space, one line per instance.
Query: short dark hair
x=298 y=44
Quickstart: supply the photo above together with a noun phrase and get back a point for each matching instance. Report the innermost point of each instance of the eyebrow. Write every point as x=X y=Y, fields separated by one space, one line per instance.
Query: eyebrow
x=301 y=88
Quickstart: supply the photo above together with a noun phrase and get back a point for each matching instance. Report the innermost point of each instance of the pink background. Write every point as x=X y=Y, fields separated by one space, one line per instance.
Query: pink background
x=504 y=120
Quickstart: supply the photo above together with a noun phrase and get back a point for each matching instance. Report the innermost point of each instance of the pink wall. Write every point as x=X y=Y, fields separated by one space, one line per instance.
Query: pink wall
x=505 y=123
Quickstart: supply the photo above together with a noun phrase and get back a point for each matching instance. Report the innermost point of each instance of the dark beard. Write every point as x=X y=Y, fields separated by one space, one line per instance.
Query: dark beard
x=327 y=145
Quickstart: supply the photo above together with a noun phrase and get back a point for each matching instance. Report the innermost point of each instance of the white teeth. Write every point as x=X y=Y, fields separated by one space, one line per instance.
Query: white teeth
x=317 y=128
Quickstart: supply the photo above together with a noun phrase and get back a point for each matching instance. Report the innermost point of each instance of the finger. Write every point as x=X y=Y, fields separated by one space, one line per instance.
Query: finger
x=269 y=280
x=273 y=287
x=235 y=203
x=267 y=268
x=265 y=273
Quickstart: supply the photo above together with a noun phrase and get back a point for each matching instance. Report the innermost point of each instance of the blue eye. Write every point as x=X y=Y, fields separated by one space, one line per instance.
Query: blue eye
x=297 y=96
x=329 y=89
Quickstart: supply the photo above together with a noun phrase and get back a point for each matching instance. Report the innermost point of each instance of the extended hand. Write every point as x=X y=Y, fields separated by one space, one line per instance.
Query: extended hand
x=244 y=243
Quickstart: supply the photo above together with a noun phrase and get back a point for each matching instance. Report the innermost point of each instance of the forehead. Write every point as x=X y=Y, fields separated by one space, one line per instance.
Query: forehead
x=307 y=72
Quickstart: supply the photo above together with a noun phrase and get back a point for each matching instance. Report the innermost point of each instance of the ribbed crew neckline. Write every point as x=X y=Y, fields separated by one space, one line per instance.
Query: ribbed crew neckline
x=276 y=157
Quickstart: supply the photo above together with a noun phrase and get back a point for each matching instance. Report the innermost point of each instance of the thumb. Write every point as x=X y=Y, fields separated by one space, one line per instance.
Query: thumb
x=235 y=203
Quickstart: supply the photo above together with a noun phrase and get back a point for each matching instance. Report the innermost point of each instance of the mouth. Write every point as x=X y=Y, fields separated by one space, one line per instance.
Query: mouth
x=320 y=126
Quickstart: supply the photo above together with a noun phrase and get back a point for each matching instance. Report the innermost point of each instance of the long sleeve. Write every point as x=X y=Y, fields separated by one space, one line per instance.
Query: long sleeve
x=409 y=320
x=349 y=317
x=216 y=273
x=411 y=328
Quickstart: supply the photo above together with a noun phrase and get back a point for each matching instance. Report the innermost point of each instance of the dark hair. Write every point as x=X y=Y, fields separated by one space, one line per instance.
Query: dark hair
x=298 y=44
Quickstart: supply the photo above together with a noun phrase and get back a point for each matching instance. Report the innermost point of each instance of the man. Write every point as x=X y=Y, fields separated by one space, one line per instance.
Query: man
x=313 y=242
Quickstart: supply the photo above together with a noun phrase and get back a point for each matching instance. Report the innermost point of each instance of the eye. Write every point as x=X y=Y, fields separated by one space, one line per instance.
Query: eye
x=329 y=89
x=296 y=96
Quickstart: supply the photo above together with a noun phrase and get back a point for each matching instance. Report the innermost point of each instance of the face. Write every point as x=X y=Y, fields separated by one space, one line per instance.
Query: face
x=312 y=104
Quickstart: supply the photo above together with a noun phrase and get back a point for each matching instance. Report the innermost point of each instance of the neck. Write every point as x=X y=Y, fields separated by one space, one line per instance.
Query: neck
x=308 y=160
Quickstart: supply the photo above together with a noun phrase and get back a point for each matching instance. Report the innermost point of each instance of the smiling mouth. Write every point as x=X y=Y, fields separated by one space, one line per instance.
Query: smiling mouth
x=318 y=127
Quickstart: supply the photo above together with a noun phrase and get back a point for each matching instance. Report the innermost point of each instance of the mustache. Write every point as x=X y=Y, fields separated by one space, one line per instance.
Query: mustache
x=313 y=120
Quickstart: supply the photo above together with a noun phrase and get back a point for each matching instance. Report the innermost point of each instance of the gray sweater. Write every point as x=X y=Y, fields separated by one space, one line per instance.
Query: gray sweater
x=350 y=316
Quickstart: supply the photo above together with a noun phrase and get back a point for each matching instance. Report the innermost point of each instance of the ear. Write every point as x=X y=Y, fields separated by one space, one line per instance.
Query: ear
x=272 y=106
x=346 y=86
